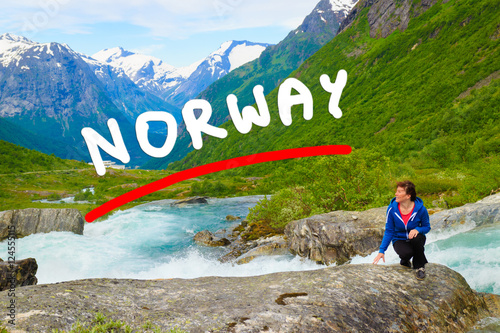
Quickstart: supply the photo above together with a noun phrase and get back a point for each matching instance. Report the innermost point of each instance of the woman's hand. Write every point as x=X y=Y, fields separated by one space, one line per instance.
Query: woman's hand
x=413 y=233
x=378 y=257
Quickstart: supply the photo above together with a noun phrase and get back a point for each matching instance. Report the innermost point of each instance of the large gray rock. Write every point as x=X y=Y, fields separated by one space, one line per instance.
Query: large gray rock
x=485 y=211
x=273 y=246
x=337 y=236
x=35 y=220
x=348 y=298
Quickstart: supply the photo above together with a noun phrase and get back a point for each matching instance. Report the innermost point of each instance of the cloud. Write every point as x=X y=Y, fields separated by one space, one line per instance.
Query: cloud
x=172 y=19
x=149 y=49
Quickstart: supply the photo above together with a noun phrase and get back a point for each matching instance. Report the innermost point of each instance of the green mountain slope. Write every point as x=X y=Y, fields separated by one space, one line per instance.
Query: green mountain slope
x=15 y=159
x=18 y=135
x=275 y=64
x=426 y=97
x=404 y=92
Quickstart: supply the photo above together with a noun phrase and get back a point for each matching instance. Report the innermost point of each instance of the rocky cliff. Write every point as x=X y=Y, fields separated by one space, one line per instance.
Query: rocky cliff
x=337 y=236
x=35 y=220
x=349 y=298
x=386 y=16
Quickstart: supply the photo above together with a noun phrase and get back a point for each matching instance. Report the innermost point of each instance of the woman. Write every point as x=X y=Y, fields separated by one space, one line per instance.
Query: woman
x=406 y=225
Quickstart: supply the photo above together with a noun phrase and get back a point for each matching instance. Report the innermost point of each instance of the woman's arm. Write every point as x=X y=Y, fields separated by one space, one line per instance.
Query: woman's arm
x=425 y=225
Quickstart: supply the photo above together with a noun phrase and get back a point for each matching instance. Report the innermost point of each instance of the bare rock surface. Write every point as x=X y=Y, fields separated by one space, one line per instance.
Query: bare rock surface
x=485 y=211
x=337 y=236
x=386 y=16
x=348 y=298
x=271 y=246
x=36 y=220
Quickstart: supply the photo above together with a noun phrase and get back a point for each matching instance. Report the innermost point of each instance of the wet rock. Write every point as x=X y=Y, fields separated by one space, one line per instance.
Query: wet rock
x=348 y=298
x=485 y=211
x=272 y=246
x=337 y=236
x=232 y=218
x=18 y=273
x=192 y=200
x=207 y=238
x=35 y=220
x=237 y=248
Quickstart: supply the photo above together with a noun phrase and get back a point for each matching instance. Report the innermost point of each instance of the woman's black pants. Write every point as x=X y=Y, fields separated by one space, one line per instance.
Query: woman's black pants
x=412 y=248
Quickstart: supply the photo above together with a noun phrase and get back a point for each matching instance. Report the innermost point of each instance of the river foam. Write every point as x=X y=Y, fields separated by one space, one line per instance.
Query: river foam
x=155 y=241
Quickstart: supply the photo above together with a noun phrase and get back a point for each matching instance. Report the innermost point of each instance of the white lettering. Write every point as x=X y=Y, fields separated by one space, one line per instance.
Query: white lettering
x=94 y=140
x=197 y=125
x=286 y=100
x=249 y=115
x=336 y=90
x=142 y=127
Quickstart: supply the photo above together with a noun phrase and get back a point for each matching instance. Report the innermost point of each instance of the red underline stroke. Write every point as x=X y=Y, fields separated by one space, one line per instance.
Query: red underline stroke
x=214 y=167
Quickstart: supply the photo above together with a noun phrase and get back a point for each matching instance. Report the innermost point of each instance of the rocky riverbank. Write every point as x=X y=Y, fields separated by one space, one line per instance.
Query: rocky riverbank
x=35 y=220
x=355 y=298
x=338 y=236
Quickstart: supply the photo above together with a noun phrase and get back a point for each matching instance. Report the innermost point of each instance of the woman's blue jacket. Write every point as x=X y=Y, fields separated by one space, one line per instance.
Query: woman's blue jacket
x=395 y=229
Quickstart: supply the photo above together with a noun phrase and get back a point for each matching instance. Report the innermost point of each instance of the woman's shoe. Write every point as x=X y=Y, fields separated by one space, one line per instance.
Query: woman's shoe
x=420 y=273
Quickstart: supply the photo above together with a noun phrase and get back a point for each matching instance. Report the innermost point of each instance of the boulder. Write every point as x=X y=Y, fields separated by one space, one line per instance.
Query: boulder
x=232 y=218
x=347 y=298
x=35 y=220
x=21 y=271
x=271 y=246
x=192 y=200
x=485 y=211
x=337 y=236
x=207 y=238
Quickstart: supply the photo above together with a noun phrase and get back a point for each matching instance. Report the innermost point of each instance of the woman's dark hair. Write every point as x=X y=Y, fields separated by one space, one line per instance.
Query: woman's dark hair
x=409 y=188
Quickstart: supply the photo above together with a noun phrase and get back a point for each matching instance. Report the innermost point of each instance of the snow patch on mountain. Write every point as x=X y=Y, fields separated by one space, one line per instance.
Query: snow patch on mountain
x=343 y=5
x=136 y=66
x=178 y=85
x=243 y=53
x=14 y=48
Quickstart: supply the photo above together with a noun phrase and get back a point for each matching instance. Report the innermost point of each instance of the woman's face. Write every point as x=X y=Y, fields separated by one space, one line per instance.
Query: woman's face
x=401 y=195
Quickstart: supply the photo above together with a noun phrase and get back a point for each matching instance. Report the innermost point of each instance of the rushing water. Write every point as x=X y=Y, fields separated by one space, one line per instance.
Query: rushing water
x=472 y=251
x=148 y=242
x=156 y=241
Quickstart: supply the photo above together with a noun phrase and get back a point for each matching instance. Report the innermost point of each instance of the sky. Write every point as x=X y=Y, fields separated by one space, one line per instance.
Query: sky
x=180 y=32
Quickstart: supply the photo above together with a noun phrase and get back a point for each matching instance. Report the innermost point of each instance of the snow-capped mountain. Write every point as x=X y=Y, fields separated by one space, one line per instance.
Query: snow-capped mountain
x=149 y=73
x=327 y=13
x=272 y=67
x=178 y=85
x=54 y=92
x=126 y=95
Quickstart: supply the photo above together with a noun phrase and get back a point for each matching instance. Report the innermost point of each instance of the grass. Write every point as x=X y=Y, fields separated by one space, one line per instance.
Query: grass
x=102 y=324
x=21 y=189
